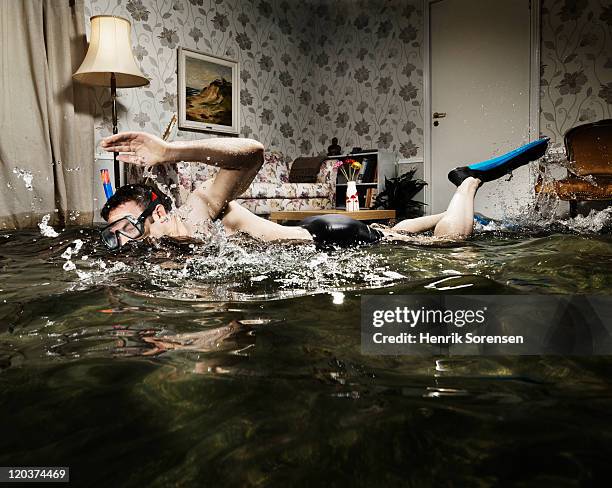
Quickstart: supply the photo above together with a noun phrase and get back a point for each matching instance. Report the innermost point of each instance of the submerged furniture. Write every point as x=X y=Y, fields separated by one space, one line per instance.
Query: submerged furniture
x=270 y=190
x=110 y=62
x=589 y=153
x=359 y=215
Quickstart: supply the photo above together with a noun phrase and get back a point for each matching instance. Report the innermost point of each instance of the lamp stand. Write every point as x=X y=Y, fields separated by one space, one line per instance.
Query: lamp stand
x=115 y=130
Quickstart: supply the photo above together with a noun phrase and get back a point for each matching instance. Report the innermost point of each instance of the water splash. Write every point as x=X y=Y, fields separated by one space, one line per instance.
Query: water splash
x=276 y=269
x=73 y=215
x=69 y=252
x=149 y=174
x=26 y=176
x=594 y=223
x=236 y=268
x=538 y=221
x=547 y=211
x=45 y=229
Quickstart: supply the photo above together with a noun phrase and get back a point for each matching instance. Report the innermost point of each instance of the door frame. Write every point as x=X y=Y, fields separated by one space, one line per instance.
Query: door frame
x=534 y=95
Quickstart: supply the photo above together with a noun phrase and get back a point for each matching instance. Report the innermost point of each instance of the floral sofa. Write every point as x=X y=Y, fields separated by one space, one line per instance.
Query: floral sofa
x=270 y=190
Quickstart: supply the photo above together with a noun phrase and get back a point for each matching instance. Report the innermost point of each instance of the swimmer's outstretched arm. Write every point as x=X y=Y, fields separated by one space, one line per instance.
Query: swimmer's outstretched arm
x=239 y=160
x=148 y=150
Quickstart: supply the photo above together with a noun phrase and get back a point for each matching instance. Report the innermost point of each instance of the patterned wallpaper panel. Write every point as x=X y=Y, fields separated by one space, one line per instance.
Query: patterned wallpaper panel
x=576 y=64
x=369 y=71
x=266 y=37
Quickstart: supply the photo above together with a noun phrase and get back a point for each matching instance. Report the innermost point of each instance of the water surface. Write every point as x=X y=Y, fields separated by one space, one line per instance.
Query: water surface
x=239 y=365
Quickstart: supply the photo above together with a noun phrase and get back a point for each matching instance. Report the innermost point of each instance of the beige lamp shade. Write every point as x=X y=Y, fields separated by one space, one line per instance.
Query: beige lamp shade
x=110 y=51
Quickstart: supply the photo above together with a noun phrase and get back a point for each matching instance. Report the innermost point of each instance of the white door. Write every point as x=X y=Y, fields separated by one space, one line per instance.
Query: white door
x=480 y=78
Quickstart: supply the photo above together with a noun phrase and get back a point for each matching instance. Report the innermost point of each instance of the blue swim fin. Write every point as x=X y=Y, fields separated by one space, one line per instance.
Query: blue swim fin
x=492 y=169
x=481 y=219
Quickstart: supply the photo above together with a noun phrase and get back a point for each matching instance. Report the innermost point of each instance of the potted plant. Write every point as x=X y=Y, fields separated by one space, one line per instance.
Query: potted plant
x=399 y=194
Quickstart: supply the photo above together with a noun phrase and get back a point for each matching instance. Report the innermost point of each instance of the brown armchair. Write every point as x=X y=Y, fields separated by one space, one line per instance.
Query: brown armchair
x=589 y=152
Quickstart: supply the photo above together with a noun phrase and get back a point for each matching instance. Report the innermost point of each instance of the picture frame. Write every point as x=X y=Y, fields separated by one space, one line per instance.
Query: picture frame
x=203 y=89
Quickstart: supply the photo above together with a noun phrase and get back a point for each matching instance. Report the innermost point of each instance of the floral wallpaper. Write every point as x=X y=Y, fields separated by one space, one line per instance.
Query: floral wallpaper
x=315 y=69
x=368 y=83
x=576 y=64
x=267 y=37
x=310 y=70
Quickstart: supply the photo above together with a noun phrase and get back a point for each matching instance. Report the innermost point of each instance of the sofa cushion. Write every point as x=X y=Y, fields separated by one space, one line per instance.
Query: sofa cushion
x=305 y=170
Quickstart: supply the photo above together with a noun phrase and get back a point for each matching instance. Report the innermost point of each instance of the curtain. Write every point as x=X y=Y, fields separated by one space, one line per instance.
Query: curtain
x=46 y=126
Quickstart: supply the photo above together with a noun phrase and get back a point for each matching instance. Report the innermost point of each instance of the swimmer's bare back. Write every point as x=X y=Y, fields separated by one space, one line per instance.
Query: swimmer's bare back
x=235 y=218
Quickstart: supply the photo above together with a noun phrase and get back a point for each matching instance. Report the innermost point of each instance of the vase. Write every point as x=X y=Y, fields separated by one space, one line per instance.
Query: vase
x=352 y=198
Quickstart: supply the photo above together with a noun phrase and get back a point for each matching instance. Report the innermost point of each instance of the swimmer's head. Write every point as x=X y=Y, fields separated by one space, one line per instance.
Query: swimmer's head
x=135 y=212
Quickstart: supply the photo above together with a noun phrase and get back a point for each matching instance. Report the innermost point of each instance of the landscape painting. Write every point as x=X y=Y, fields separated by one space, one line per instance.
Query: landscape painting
x=208 y=92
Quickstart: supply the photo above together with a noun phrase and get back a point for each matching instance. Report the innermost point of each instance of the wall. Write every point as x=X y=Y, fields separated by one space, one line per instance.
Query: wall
x=576 y=67
x=299 y=85
x=369 y=71
x=268 y=38
x=315 y=69
x=368 y=79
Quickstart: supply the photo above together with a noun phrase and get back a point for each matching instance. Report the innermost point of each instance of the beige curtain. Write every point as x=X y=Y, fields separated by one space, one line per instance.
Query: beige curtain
x=46 y=127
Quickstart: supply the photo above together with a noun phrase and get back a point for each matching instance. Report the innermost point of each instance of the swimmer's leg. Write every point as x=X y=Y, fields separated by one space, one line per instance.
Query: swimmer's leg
x=458 y=220
x=419 y=224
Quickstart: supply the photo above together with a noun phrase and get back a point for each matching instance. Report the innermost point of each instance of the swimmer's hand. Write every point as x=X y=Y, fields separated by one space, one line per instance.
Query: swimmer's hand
x=143 y=149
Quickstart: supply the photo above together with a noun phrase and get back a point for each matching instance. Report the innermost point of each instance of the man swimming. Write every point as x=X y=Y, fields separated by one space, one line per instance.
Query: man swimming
x=138 y=211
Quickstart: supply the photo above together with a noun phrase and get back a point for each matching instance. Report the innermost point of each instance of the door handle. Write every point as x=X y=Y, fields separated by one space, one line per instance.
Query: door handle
x=439 y=115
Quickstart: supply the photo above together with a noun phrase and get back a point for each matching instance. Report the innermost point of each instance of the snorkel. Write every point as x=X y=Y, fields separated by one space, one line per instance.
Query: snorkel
x=106 y=184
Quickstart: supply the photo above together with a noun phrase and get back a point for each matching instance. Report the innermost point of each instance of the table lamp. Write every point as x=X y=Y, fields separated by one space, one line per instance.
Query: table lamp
x=110 y=62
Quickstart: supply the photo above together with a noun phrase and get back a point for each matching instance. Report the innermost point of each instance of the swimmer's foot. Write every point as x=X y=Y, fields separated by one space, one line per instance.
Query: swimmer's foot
x=469 y=185
x=495 y=168
x=459 y=175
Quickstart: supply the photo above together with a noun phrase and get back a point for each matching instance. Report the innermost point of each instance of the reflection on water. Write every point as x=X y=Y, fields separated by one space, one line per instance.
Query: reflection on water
x=239 y=365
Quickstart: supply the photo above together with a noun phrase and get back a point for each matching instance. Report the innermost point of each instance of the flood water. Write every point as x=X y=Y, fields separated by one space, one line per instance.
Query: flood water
x=240 y=365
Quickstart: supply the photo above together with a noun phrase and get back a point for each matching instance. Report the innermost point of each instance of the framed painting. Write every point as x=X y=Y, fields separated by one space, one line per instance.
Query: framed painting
x=208 y=92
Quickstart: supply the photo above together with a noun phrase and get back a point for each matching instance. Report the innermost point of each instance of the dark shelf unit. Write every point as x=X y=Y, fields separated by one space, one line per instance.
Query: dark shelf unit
x=384 y=163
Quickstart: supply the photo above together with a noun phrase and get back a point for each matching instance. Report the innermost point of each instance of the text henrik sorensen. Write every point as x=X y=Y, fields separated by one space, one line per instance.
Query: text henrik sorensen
x=452 y=338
